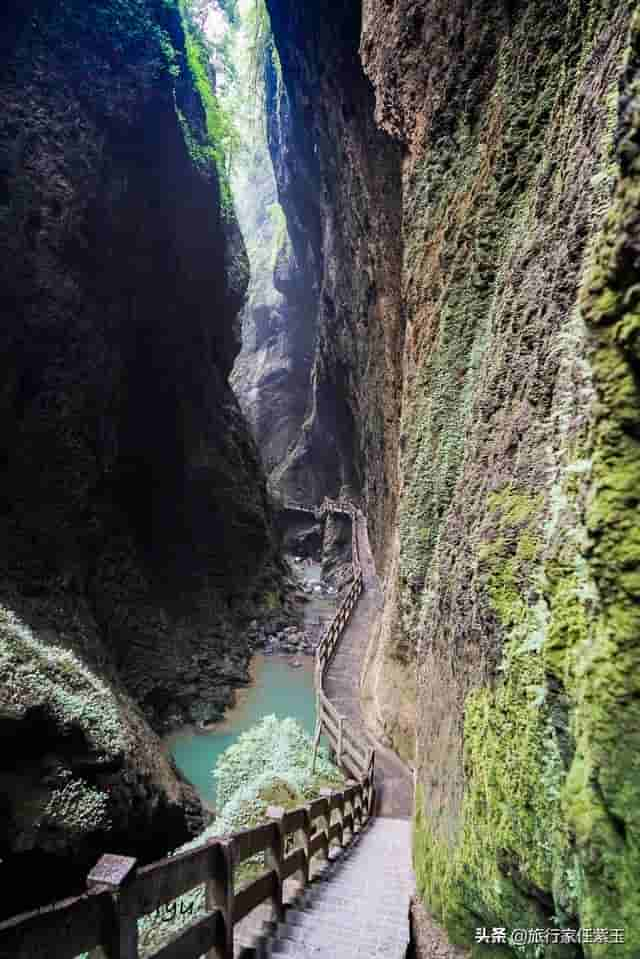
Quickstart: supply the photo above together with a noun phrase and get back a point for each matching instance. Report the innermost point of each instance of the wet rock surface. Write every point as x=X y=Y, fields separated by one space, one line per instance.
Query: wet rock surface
x=314 y=601
x=319 y=558
x=336 y=551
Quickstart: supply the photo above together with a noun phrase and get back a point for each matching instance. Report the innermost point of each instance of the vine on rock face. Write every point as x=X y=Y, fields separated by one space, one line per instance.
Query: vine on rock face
x=221 y=84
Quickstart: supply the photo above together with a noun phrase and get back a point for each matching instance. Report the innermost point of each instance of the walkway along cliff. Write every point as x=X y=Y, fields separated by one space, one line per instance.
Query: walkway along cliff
x=458 y=225
x=105 y=918
x=461 y=181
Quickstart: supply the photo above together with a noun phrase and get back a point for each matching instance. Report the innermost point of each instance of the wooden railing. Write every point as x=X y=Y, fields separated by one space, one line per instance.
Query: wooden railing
x=290 y=505
x=352 y=752
x=106 y=917
x=104 y=920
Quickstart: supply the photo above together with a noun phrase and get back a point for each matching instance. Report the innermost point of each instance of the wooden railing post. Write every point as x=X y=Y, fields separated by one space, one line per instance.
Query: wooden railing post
x=274 y=856
x=116 y=873
x=304 y=838
x=219 y=895
x=327 y=793
x=352 y=784
x=318 y=733
x=372 y=788
x=324 y=829
x=341 y=814
x=362 y=802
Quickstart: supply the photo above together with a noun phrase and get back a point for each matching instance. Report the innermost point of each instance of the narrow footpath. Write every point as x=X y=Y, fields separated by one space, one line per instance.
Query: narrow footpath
x=361 y=906
x=358 y=905
x=394 y=782
x=379 y=877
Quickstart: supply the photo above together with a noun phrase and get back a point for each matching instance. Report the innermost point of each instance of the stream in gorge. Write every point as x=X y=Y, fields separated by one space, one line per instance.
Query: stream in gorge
x=276 y=688
x=281 y=685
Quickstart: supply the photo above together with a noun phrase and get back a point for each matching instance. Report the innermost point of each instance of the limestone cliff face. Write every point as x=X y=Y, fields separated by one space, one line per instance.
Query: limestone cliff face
x=338 y=178
x=271 y=375
x=512 y=570
x=135 y=528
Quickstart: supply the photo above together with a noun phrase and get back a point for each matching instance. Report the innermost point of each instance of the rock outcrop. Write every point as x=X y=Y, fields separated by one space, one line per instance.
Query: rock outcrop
x=474 y=253
x=337 y=556
x=135 y=527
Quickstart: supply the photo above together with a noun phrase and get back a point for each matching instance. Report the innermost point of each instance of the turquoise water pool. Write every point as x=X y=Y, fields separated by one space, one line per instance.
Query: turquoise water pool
x=276 y=689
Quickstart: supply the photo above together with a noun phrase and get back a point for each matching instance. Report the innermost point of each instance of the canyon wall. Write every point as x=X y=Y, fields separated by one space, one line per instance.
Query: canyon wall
x=477 y=343
x=272 y=373
x=135 y=527
x=338 y=179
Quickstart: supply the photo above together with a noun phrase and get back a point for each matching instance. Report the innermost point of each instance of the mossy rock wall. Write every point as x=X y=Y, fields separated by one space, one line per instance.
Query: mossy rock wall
x=503 y=186
x=518 y=554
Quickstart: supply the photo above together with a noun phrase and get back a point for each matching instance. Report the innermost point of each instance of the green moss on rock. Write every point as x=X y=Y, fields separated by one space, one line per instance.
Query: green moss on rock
x=525 y=534
x=34 y=675
x=513 y=844
x=602 y=793
x=221 y=139
x=76 y=808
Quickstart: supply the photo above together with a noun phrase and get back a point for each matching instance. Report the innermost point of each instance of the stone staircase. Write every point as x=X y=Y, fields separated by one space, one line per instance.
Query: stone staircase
x=342 y=892
x=357 y=906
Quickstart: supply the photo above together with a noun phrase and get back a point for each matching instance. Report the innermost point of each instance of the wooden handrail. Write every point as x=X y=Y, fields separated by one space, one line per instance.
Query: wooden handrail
x=346 y=742
x=104 y=920
x=98 y=919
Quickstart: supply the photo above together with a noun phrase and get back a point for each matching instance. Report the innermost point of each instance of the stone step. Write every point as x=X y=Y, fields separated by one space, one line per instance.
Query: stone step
x=358 y=908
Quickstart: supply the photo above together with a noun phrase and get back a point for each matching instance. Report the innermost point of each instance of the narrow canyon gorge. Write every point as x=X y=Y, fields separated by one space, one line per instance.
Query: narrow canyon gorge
x=259 y=253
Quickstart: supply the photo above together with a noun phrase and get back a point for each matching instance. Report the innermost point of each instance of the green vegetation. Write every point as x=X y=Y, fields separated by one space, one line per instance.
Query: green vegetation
x=603 y=784
x=547 y=830
x=222 y=140
x=513 y=837
x=275 y=754
x=137 y=30
x=505 y=581
x=150 y=41
x=272 y=600
x=262 y=219
x=76 y=808
x=270 y=764
x=263 y=55
x=34 y=674
x=53 y=681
